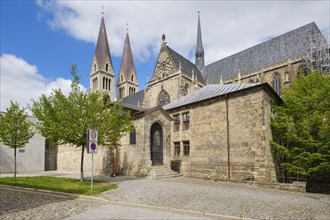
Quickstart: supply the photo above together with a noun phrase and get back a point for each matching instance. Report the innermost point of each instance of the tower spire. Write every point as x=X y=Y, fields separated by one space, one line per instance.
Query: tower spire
x=102 y=75
x=127 y=83
x=199 y=53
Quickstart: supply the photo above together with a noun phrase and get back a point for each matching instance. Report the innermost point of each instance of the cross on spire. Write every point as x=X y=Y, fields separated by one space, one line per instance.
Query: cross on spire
x=102 y=9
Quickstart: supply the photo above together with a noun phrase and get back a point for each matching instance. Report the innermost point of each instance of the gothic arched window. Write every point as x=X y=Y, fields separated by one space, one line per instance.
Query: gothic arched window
x=163 y=98
x=277 y=83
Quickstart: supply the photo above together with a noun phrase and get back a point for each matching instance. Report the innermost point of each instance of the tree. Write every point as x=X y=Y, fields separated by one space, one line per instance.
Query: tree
x=301 y=126
x=117 y=123
x=66 y=120
x=16 y=130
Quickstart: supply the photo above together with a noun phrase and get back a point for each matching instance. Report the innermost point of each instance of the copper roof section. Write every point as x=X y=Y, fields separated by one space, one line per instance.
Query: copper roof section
x=102 y=50
x=127 y=63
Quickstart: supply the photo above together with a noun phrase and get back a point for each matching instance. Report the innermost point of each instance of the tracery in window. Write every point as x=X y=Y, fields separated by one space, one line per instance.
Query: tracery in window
x=164 y=98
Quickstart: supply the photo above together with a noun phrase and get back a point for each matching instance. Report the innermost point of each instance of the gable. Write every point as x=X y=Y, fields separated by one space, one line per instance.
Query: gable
x=164 y=65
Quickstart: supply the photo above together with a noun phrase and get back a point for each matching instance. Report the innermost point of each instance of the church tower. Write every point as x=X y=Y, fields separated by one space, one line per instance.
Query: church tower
x=127 y=83
x=199 y=53
x=102 y=76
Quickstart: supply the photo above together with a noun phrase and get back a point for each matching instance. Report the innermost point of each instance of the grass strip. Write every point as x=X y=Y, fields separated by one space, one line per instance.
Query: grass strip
x=59 y=184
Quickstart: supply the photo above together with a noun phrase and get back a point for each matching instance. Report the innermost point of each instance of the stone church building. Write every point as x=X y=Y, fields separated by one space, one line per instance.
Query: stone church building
x=202 y=120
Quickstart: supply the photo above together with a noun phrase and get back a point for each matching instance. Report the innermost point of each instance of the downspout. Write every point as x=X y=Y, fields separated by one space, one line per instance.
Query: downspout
x=115 y=161
x=227 y=125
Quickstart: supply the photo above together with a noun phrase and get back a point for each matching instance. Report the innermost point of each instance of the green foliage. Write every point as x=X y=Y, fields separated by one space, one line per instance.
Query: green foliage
x=67 y=185
x=16 y=130
x=117 y=123
x=66 y=120
x=301 y=126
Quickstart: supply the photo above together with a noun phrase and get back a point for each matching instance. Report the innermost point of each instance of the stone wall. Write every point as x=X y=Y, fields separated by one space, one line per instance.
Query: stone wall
x=287 y=70
x=135 y=159
x=69 y=158
x=249 y=135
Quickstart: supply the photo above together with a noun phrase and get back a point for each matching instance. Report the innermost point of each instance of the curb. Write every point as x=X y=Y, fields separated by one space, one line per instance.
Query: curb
x=120 y=203
x=55 y=193
x=178 y=211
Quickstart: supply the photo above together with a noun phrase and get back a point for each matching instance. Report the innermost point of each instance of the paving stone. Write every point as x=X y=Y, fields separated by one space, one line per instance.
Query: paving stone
x=224 y=198
x=31 y=205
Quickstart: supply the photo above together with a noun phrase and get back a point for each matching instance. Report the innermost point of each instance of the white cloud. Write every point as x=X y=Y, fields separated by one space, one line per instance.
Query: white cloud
x=21 y=82
x=227 y=27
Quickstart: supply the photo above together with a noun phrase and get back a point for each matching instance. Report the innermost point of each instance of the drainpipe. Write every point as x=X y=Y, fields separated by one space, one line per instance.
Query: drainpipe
x=114 y=161
x=227 y=125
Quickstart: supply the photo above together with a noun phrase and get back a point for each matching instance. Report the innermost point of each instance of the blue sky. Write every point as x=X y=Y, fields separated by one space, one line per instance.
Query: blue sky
x=41 y=39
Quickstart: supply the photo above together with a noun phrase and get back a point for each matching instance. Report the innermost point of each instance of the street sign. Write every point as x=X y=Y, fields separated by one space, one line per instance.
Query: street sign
x=92 y=147
x=92 y=135
x=92 y=142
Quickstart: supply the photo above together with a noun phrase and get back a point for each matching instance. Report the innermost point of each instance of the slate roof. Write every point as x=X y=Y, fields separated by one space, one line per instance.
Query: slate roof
x=186 y=65
x=127 y=63
x=289 y=45
x=102 y=50
x=208 y=92
x=134 y=99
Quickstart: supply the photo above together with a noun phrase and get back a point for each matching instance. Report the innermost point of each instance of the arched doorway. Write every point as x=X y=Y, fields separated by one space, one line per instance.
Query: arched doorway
x=156 y=144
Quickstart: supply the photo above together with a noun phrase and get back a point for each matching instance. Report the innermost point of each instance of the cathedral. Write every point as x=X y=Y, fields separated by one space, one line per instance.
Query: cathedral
x=198 y=120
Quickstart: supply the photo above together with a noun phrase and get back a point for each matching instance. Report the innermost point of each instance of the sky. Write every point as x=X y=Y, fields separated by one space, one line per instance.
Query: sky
x=40 y=40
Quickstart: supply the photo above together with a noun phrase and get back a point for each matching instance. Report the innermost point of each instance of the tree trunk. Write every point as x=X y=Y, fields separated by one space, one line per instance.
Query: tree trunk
x=82 y=164
x=15 y=162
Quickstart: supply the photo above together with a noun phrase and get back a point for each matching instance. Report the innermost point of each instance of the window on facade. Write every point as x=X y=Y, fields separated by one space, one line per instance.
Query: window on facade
x=103 y=82
x=106 y=67
x=132 y=78
x=94 y=67
x=186 y=148
x=109 y=83
x=176 y=122
x=276 y=83
x=132 y=137
x=185 y=120
x=176 y=148
x=163 y=98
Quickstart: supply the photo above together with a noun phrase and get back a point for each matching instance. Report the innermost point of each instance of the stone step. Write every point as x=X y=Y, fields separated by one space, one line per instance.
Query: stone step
x=160 y=172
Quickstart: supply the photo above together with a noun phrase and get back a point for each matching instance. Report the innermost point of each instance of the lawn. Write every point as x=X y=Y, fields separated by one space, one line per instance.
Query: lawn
x=59 y=184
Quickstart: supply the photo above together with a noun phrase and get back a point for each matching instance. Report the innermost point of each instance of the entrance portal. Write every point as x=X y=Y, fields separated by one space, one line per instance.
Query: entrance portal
x=156 y=144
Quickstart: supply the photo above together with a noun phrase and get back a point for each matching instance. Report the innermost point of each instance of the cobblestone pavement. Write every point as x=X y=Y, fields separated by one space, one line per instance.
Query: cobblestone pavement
x=17 y=204
x=233 y=199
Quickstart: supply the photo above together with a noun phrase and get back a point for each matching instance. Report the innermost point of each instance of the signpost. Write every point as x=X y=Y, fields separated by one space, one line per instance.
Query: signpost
x=92 y=149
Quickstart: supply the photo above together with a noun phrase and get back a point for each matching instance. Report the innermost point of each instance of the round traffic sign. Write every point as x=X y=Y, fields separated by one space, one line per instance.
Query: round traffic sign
x=93 y=134
x=93 y=146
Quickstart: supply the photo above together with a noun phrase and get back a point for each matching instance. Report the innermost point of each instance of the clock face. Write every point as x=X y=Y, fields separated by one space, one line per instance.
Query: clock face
x=164 y=98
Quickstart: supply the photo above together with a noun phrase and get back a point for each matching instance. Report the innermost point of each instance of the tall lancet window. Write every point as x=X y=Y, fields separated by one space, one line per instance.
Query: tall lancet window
x=277 y=83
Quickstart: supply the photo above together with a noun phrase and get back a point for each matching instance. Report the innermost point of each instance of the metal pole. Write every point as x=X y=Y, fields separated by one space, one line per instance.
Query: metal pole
x=92 y=171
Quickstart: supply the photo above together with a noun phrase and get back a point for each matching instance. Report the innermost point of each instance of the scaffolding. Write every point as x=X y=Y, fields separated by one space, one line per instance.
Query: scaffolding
x=317 y=53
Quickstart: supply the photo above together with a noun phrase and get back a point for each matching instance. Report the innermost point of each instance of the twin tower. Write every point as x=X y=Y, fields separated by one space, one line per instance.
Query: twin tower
x=102 y=75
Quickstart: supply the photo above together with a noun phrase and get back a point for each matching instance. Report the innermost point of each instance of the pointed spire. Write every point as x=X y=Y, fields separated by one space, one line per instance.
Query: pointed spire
x=102 y=50
x=199 y=53
x=127 y=63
